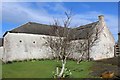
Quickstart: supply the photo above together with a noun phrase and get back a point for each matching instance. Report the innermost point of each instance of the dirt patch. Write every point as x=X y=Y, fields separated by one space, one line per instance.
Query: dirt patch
x=100 y=66
x=113 y=61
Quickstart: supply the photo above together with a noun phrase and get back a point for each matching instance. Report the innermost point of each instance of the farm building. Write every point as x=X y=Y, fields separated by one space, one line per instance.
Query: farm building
x=26 y=42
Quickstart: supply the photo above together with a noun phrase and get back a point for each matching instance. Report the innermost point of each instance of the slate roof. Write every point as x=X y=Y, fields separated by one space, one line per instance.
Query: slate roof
x=82 y=31
x=36 y=28
x=32 y=28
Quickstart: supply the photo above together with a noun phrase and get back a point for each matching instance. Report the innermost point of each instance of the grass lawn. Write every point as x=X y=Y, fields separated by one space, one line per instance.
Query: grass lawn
x=0 y=69
x=44 y=69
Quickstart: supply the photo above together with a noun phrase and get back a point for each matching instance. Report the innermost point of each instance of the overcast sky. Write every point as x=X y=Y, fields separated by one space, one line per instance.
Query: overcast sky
x=15 y=14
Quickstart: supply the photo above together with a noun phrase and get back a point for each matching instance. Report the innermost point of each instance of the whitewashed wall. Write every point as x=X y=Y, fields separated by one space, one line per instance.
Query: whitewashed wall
x=1 y=52
x=105 y=46
x=19 y=46
x=77 y=49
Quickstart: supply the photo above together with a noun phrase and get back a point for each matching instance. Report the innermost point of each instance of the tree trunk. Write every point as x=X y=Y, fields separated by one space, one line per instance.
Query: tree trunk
x=78 y=62
x=57 y=70
x=88 y=50
x=62 y=70
x=80 y=59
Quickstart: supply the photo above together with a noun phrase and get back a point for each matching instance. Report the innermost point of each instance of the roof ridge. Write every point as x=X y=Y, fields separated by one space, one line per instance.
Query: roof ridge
x=87 y=25
x=37 y=28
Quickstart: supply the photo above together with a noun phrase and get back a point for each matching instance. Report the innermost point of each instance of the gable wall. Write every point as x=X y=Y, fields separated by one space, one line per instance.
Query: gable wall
x=105 y=46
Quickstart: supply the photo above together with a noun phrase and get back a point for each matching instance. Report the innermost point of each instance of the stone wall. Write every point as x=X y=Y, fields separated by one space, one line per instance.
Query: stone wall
x=105 y=46
x=1 y=52
x=20 y=46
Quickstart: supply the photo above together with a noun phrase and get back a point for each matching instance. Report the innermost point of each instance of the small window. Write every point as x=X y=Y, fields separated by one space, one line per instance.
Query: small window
x=20 y=41
x=33 y=41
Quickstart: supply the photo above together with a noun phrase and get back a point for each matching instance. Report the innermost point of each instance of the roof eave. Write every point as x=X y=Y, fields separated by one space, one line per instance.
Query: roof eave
x=5 y=33
x=119 y=33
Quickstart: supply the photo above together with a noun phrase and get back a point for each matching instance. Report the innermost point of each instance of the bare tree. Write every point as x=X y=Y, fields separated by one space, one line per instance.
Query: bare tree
x=92 y=37
x=63 y=42
x=60 y=41
x=81 y=50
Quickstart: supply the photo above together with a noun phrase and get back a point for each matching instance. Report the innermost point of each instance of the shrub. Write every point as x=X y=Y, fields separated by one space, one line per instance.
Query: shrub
x=39 y=59
x=25 y=60
x=20 y=61
x=15 y=61
x=9 y=62
x=67 y=73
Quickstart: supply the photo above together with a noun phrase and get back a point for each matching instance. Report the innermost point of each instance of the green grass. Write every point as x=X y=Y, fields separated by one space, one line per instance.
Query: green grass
x=44 y=69
x=0 y=69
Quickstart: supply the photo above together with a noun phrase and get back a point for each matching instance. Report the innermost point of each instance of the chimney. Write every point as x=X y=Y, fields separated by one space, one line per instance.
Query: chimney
x=101 y=18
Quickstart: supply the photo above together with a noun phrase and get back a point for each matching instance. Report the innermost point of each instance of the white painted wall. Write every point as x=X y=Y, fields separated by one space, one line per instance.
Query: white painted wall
x=26 y=49
x=105 y=46
x=1 y=52
x=20 y=46
x=75 y=54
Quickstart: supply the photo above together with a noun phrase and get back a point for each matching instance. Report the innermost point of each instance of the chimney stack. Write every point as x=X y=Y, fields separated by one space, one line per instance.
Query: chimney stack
x=101 y=18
